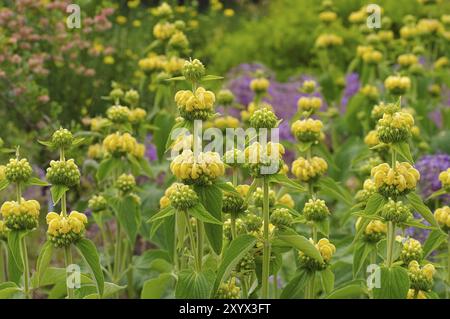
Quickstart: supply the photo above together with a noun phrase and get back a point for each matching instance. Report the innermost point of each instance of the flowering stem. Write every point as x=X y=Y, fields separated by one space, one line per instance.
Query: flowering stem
x=275 y=284
x=233 y=227
x=200 y=243
x=394 y=158
x=117 y=253
x=448 y=265
x=18 y=193
x=68 y=261
x=266 y=247
x=235 y=176
x=390 y=243
x=309 y=292
x=2 y=265
x=26 y=271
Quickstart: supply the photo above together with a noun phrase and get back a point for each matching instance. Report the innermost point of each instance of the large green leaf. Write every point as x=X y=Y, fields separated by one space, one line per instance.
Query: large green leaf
x=361 y=251
x=234 y=253
x=164 y=121
x=327 y=279
x=350 y=291
x=211 y=199
x=404 y=150
x=394 y=283
x=163 y=213
x=156 y=287
x=43 y=261
x=434 y=240
x=285 y=181
x=374 y=204
x=107 y=166
x=295 y=287
x=58 y=192
x=199 y=212
x=333 y=189
x=14 y=243
x=301 y=243
x=89 y=252
x=128 y=213
x=3 y=184
x=417 y=203
x=8 y=289
x=194 y=285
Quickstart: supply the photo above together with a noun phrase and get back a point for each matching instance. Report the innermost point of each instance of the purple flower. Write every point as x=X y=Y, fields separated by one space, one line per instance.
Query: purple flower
x=150 y=149
x=429 y=167
x=352 y=86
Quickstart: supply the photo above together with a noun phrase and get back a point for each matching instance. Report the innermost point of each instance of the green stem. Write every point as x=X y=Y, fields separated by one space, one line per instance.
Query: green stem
x=244 y=287
x=26 y=270
x=106 y=248
x=200 y=244
x=394 y=158
x=314 y=232
x=275 y=285
x=64 y=205
x=390 y=243
x=117 y=253
x=266 y=247
x=192 y=240
x=2 y=265
x=448 y=265
x=18 y=193
x=235 y=176
x=68 y=262
x=233 y=227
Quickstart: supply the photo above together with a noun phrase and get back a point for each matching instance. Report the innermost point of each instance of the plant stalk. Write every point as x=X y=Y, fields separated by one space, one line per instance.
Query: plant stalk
x=26 y=268
x=266 y=247
x=68 y=262
x=390 y=243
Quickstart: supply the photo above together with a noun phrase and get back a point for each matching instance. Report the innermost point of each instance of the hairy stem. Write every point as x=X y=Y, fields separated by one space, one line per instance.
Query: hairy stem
x=26 y=268
x=68 y=262
x=200 y=244
x=390 y=243
x=266 y=247
x=192 y=240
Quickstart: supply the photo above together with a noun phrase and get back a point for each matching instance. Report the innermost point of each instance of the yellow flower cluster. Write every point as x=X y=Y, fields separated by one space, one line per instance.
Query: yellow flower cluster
x=357 y=17
x=372 y=139
x=309 y=104
x=397 y=84
x=152 y=63
x=361 y=50
x=372 y=57
x=95 y=151
x=58 y=224
x=174 y=65
x=98 y=123
x=442 y=216
x=2 y=172
x=328 y=41
x=395 y=127
x=385 y=35
x=406 y=60
x=395 y=181
x=426 y=26
x=20 y=216
x=137 y=115
x=223 y=122
x=326 y=249
x=198 y=105
x=444 y=178
x=413 y=294
x=408 y=32
x=426 y=271
x=163 y=30
x=201 y=169
x=307 y=130
x=286 y=200
x=327 y=16
x=259 y=85
x=252 y=107
x=441 y=62
x=375 y=227
x=121 y=144
x=262 y=153
x=307 y=170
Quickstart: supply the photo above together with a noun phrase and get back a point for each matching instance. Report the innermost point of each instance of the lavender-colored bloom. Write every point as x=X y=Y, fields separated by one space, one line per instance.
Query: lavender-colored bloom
x=352 y=86
x=429 y=167
x=150 y=149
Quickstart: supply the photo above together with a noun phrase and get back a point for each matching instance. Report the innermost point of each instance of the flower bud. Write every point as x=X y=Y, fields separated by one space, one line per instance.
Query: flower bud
x=315 y=210
x=375 y=231
x=193 y=71
x=397 y=85
x=421 y=278
x=132 y=97
x=234 y=158
x=396 y=212
x=394 y=128
x=309 y=104
x=252 y=222
x=240 y=228
x=17 y=171
x=66 y=230
x=163 y=30
x=233 y=204
x=286 y=200
x=125 y=183
x=326 y=250
x=116 y=94
x=64 y=173
x=137 y=115
x=380 y=109
x=258 y=197
x=181 y=197
x=368 y=190
x=308 y=86
x=228 y=290
x=97 y=203
x=3 y=231
x=307 y=130
x=444 y=178
x=21 y=216
x=259 y=85
x=246 y=265
x=442 y=216
x=411 y=250
x=118 y=113
x=225 y=97
x=264 y=159
x=414 y=294
x=263 y=118
x=62 y=138
x=281 y=218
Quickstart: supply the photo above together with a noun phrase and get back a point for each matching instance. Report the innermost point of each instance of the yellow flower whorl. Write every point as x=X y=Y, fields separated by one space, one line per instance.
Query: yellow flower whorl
x=397 y=85
x=394 y=182
x=195 y=106
x=396 y=127
x=65 y=230
x=307 y=130
x=21 y=216
x=118 y=144
x=309 y=104
x=444 y=178
x=309 y=170
x=264 y=159
x=442 y=216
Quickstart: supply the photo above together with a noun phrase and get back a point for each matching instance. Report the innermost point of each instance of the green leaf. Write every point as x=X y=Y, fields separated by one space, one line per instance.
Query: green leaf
x=15 y=246
x=286 y=182
x=176 y=78
x=417 y=224
x=394 y=283
x=294 y=288
x=107 y=166
x=211 y=198
x=404 y=150
x=417 y=203
x=145 y=166
x=251 y=189
x=303 y=147
x=199 y=212
x=89 y=252
x=194 y=285
x=49 y=144
x=301 y=243
x=163 y=213
x=327 y=279
x=8 y=289
x=382 y=249
x=437 y=194
x=336 y=191
x=43 y=261
x=361 y=251
x=129 y=215
x=227 y=187
x=234 y=253
x=78 y=141
x=351 y=291
x=211 y=78
x=323 y=226
x=57 y=192
x=434 y=240
x=37 y=182
x=3 y=184
x=161 y=137
x=156 y=287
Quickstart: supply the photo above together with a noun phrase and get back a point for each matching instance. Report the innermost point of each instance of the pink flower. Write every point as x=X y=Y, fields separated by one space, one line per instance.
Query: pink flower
x=43 y=99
